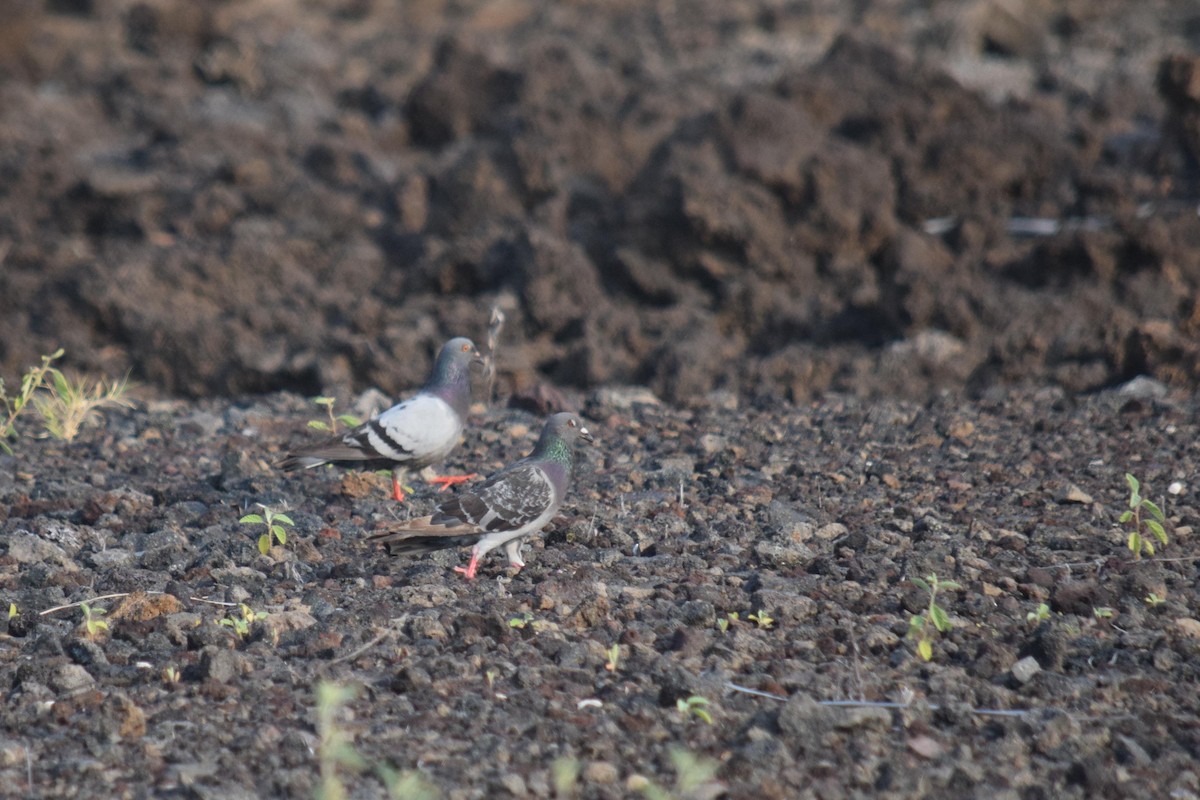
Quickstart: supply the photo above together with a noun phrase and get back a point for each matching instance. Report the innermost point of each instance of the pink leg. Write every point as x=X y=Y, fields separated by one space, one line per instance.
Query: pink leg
x=446 y=481
x=397 y=492
x=469 y=570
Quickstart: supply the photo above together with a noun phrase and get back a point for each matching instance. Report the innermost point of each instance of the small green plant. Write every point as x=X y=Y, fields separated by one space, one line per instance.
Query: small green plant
x=406 y=785
x=520 y=621
x=694 y=777
x=1138 y=542
x=69 y=405
x=1154 y=601
x=12 y=610
x=614 y=658
x=1040 y=614
x=170 y=674
x=564 y=775
x=349 y=420
x=723 y=624
x=1103 y=612
x=694 y=706
x=335 y=749
x=761 y=619
x=241 y=624
x=934 y=618
x=92 y=622
x=274 y=520
x=31 y=381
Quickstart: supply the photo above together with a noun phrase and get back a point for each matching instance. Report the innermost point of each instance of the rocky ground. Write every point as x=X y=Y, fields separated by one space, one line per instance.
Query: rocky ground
x=885 y=275
x=812 y=520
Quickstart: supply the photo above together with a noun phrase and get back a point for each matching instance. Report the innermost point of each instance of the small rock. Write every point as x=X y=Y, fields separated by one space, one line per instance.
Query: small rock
x=1024 y=670
x=868 y=717
x=677 y=465
x=789 y=521
x=514 y=784
x=1073 y=494
x=803 y=721
x=70 y=678
x=1129 y=751
x=711 y=443
x=626 y=397
x=25 y=548
x=600 y=772
x=831 y=531
x=783 y=555
x=111 y=559
x=12 y=753
x=1142 y=388
x=218 y=664
x=925 y=746
x=1188 y=627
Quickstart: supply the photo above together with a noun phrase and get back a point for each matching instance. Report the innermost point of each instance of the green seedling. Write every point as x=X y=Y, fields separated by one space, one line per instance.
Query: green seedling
x=564 y=775
x=1154 y=601
x=335 y=748
x=170 y=674
x=723 y=624
x=69 y=405
x=694 y=706
x=31 y=381
x=694 y=777
x=519 y=622
x=274 y=521
x=12 y=610
x=761 y=619
x=1138 y=542
x=241 y=624
x=92 y=622
x=406 y=785
x=922 y=626
x=1103 y=612
x=614 y=658
x=1041 y=614
x=349 y=420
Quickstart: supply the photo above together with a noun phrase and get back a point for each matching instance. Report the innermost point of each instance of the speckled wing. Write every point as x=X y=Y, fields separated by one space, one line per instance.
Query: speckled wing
x=509 y=501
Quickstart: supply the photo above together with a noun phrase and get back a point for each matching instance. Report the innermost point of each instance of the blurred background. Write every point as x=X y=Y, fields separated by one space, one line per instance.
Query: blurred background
x=768 y=197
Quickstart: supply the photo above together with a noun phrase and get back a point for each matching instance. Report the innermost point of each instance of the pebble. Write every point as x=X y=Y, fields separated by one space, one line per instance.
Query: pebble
x=70 y=678
x=601 y=773
x=1024 y=670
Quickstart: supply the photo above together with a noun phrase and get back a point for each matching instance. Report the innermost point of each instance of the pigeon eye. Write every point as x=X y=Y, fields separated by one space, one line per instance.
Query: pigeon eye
x=571 y=422
x=466 y=347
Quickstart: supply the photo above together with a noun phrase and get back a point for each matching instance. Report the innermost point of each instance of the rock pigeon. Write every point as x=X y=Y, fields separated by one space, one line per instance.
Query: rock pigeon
x=410 y=435
x=505 y=509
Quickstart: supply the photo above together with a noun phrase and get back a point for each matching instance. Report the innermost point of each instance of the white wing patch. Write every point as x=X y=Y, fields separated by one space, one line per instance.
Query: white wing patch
x=423 y=428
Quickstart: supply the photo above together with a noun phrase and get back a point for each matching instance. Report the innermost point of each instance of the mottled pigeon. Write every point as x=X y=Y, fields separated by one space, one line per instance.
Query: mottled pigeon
x=410 y=435
x=508 y=507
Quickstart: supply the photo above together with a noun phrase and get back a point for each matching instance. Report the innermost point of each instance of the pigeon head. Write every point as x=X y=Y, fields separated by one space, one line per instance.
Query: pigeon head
x=451 y=378
x=560 y=433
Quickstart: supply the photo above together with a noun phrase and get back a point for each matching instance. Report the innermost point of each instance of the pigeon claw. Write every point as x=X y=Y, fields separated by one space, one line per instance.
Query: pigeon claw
x=468 y=571
x=397 y=490
x=446 y=481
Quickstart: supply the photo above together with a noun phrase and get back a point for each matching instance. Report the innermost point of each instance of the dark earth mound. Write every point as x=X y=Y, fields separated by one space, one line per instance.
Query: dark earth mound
x=781 y=198
x=886 y=265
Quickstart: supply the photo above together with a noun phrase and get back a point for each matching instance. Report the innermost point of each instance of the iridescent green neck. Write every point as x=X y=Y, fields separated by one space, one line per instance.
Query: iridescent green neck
x=552 y=447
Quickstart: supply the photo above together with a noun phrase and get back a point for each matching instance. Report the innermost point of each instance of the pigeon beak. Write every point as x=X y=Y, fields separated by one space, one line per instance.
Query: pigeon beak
x=586 y=435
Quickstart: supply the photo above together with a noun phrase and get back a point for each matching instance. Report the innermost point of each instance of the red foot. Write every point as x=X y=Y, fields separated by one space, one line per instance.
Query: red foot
x=397 y=492
x=447 y=481
x=517 y=567
x=469 y=570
